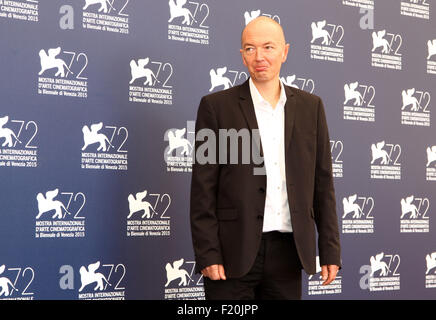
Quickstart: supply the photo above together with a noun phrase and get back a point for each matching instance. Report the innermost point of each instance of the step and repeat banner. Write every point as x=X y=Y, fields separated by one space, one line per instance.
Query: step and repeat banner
x=98 y=102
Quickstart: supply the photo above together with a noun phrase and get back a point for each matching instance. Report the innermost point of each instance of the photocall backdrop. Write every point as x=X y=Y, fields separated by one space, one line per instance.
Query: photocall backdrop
x=98 y=106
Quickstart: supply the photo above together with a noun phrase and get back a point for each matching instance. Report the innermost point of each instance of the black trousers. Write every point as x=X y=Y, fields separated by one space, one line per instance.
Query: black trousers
x=276 y=274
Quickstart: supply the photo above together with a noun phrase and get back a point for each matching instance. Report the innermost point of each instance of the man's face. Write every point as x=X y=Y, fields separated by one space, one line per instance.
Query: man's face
x=263 y=49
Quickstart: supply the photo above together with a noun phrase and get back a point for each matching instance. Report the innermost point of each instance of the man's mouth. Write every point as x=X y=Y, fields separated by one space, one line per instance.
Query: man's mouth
x=260 y=68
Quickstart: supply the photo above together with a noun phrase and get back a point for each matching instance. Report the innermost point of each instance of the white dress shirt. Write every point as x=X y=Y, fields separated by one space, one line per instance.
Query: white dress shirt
x=277 y=216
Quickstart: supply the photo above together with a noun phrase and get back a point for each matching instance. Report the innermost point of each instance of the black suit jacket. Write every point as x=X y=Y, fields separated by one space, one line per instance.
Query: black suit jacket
x=228 y=200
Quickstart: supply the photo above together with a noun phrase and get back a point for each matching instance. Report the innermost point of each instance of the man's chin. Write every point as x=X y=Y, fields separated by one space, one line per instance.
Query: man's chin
x=261 y=78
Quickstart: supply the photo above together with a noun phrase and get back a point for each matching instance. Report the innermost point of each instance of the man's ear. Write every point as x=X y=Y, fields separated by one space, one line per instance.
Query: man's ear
x=242 y=56
x=285 y=52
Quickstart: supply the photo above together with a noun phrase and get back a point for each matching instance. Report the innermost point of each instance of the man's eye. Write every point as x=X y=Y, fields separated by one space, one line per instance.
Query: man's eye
x=248 y=50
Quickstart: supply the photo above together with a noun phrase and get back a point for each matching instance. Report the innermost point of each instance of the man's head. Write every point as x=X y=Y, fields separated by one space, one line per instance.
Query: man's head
x=263 y=49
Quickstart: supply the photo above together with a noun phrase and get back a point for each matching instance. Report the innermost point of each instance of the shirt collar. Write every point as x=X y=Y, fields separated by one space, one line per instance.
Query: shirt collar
x=259 y=100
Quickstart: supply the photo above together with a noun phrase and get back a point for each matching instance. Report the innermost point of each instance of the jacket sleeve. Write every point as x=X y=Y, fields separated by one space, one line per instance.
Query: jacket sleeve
x=205 y=174
x=324 y=204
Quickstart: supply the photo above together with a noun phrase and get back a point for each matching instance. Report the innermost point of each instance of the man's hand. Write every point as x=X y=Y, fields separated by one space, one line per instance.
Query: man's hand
x=328 y=273
x=214 y=272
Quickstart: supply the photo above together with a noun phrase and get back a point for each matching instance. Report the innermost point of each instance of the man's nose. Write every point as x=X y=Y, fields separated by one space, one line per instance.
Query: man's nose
x=259 y=54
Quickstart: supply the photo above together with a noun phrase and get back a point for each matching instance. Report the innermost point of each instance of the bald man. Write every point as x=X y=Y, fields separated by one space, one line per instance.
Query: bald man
x=253 y=233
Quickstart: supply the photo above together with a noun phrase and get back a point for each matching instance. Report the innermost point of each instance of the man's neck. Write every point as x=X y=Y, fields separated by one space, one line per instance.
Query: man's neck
x=269 y=90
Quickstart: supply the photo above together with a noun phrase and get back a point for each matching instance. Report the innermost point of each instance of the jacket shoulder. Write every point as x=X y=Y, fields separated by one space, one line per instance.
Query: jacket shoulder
x=223 y=95
x=304 y=95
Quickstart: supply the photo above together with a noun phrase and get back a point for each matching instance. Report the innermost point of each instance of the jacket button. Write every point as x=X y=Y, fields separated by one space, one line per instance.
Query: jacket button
x=261 y=190
x=259 y=217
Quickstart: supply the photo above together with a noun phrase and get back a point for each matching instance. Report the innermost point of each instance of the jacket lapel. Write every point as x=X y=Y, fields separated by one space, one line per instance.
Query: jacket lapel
x=290 y=109
x=247 y=108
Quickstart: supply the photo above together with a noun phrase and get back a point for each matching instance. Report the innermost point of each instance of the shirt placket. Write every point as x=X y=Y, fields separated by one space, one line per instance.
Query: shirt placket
x=275 y=142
